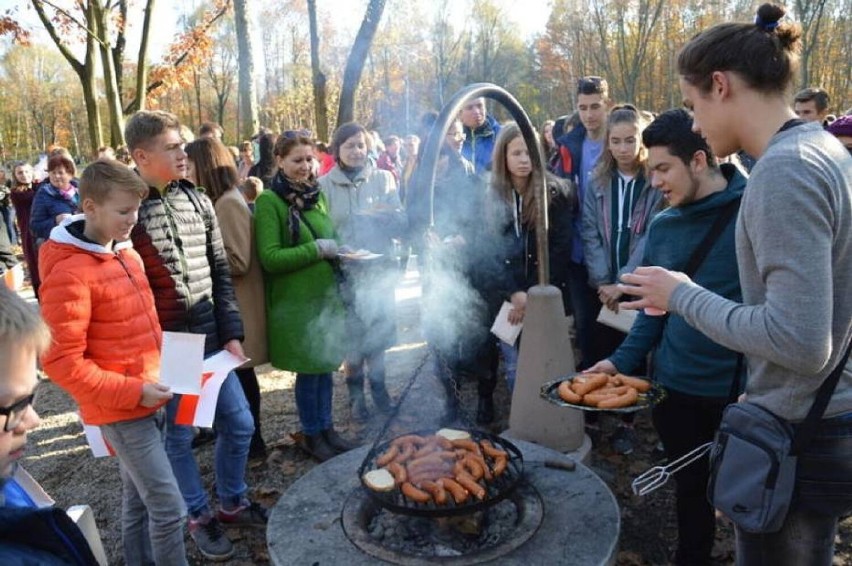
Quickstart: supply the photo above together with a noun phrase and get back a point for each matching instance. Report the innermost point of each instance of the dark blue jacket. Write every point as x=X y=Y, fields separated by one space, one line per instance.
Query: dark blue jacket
x=479 y=144
x=41 y=537
x=569 y=153
x=685 y=359
x=47 y=205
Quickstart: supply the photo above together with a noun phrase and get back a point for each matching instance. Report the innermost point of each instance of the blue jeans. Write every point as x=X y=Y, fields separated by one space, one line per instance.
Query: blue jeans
x=585 y=305
x=313 y=400
x=9 y=219
x=823 y=495
x=152 y=510
x=510 y=363
x=234 y=429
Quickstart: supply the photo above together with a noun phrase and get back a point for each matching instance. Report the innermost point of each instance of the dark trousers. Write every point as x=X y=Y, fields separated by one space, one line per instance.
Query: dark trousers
x=585 y=306
x=683 y=423
x=823 y=495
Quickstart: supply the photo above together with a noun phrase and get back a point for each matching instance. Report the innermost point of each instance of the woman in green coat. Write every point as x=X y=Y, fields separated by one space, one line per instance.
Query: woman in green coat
x=305 y=316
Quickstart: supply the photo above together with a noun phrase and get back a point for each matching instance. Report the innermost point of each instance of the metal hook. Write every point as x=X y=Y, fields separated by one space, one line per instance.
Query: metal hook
x=657 y=476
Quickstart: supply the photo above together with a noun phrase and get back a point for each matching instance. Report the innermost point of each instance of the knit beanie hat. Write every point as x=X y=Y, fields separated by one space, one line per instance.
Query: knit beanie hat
x=841 y=127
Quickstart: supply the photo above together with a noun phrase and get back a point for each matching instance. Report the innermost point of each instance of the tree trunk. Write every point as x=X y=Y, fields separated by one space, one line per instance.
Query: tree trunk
x=85 y=71
x=116 y=116
x=247 y=98
x=87 y=78
x=141 y=61
x=319 y=79
x=357 y=58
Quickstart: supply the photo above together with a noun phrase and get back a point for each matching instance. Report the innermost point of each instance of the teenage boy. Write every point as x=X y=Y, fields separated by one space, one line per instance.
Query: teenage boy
x=696 y=372
x=178 y=238
x=811 y=104
x=28 y=535
x=106 y=353
x=579 y=151
x=480 y=133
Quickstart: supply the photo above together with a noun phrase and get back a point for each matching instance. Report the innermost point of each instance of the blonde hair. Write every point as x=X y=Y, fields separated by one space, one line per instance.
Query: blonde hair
x=20 y=323
x=104 y=176
x=251 y=188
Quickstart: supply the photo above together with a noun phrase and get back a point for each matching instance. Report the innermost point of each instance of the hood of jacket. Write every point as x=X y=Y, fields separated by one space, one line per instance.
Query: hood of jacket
x=338 y=177
x=67 y=233
x=736 y=186
x=486 y=129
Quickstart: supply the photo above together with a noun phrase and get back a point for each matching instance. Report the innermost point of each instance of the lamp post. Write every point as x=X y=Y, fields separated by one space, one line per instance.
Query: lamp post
x=546 y=351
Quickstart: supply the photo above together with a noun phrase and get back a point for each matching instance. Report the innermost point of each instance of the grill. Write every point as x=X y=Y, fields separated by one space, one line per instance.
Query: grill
x=496 y=490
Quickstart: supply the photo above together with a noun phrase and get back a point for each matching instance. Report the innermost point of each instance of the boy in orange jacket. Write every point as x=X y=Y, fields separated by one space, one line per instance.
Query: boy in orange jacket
x=96 y=300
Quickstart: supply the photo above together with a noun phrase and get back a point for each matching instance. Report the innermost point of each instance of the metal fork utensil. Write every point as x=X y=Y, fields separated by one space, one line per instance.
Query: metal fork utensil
x=657 y=476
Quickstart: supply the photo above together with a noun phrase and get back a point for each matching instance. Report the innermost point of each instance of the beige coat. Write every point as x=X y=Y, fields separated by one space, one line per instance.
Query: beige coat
x=237 y=225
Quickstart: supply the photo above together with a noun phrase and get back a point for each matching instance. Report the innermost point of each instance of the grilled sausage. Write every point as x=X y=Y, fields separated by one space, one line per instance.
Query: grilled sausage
x=641 y=385
x=568 y=395
x=387 y=457
x=415 y=494
x=584 y=384
x=470 y=484
x=437 y=491
x=459 y=493
x=617 y=401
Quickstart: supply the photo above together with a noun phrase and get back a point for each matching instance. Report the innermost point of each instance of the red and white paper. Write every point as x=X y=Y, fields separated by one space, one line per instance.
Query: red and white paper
x=200 y=410
x=193 y=410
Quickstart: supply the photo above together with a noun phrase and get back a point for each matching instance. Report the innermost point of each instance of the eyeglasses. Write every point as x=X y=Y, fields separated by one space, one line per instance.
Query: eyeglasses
x=293 y=134
x=15 y=412
x=455 y=135
x=591 y=85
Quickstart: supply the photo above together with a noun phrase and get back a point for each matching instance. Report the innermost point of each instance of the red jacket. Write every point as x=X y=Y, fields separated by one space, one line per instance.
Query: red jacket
x=106 y=335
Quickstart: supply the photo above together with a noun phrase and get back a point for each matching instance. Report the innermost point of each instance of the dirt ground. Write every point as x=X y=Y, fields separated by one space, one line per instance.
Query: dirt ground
x=59 y=458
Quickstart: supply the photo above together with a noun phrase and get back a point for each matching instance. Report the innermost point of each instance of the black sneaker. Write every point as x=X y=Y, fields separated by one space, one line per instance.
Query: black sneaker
x=316 y=446
x=257 y=449
x=210 y=538
x=340 y=444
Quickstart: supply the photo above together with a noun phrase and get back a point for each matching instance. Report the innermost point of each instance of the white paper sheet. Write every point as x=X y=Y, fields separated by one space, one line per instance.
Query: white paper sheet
x=182 y=362
x=200 y=410
x=622 y=321
x=503 y=329
x=95 y=438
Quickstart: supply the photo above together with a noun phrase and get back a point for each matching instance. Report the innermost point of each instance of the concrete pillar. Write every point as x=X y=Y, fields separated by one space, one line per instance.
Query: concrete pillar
x=546 y=354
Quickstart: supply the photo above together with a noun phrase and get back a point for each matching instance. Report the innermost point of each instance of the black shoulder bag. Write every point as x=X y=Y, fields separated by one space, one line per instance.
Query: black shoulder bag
x=754 y=455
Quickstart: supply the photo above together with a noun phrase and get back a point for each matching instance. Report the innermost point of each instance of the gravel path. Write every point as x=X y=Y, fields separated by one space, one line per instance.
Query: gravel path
x=59 y=458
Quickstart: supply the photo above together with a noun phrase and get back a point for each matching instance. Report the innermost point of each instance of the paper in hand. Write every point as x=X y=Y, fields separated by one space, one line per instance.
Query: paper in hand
x=503 y=329
x=182 y=362
x=622 y=320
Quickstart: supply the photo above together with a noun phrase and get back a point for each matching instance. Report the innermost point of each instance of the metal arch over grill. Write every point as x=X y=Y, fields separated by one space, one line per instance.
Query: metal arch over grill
x=496 y=490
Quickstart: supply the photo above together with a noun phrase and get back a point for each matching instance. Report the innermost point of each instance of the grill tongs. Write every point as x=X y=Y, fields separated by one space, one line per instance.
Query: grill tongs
x=657 y=476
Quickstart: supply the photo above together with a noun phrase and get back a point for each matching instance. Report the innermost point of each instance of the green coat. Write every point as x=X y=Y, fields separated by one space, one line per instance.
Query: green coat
x=305 y=316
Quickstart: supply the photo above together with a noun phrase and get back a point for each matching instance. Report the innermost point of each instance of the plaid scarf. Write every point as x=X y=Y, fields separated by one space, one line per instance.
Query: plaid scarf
x=299 y=196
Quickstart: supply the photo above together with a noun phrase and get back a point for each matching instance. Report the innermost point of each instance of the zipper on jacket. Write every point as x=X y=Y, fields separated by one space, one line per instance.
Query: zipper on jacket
x=181 y=256
x=139 y=295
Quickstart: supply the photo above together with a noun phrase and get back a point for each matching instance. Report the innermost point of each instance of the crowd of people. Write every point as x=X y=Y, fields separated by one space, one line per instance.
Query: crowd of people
x=728 y=226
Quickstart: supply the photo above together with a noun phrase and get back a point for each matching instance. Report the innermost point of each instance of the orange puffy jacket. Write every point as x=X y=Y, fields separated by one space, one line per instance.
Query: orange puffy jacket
x=106 y=336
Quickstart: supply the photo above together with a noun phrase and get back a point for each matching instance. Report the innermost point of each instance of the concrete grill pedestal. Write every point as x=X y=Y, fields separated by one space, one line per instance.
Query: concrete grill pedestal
x=579 y=522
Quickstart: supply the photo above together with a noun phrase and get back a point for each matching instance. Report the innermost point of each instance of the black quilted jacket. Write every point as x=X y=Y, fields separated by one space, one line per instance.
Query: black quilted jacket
x=187 y=266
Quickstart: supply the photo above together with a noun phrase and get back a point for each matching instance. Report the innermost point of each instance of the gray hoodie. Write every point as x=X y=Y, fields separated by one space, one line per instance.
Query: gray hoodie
x=794 y=251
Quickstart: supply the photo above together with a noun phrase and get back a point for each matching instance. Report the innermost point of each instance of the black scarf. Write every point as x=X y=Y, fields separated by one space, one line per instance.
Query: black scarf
x=299 y=196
